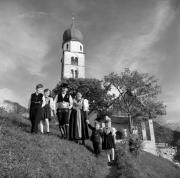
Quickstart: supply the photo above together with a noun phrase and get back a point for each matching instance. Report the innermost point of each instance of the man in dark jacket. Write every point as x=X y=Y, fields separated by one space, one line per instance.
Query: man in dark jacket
x=35 y=109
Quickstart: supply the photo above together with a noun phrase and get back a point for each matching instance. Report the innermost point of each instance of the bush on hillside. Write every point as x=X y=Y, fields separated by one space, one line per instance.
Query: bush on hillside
x=177 y=156
x=134 y=144
x=119 y=134
x=126 y=164
x=3 y=112
x=92 y=89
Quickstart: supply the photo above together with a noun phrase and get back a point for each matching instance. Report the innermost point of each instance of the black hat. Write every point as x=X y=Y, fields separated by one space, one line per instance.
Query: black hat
x=39 y=86
x=64 y=85
x=46 y=90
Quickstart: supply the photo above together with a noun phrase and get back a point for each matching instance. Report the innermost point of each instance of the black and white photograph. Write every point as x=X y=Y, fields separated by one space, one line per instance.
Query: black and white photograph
x=89 y=88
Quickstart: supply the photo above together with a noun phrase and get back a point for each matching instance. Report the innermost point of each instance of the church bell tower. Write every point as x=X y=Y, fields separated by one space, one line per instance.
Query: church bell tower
x=73 y=57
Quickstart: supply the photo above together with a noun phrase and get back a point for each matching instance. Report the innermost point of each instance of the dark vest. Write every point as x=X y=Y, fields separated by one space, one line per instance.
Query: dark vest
x=36 y=100
x=61 y=99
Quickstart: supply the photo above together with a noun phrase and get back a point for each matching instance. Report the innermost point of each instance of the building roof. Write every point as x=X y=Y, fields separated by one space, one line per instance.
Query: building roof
x=120 y=119
x=72 y=33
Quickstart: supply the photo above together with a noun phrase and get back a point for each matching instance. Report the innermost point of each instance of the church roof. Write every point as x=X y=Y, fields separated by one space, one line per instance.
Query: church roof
x=72 y=33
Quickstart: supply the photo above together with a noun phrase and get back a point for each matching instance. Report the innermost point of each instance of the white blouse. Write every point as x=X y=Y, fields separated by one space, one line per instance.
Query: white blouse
x=86 y=105
x=52 y=103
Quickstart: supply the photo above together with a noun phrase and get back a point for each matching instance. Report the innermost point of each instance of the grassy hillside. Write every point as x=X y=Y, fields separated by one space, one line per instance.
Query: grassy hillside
x=25 y=155
x=144 y=166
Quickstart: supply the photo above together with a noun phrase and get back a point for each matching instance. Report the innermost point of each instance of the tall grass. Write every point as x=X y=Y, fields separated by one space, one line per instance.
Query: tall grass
x=25 y=155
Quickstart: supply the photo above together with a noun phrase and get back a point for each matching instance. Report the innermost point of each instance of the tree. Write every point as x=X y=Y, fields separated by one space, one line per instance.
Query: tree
x=92 y=89
x=130 y=92
x=136 y=93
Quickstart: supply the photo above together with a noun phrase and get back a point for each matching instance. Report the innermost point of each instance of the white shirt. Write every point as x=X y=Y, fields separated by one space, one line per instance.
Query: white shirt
x=63 y=95
x=52 y=104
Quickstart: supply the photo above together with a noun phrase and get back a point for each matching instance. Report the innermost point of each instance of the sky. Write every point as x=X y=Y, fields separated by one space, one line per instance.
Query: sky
x=142 y=35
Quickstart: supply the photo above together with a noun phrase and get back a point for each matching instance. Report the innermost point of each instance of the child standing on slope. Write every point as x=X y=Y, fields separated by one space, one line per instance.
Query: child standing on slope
x=96 y=136
x=108 y=143
x=48 y=110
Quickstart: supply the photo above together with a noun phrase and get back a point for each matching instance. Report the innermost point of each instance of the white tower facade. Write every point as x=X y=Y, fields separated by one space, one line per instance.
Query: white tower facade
x=73 y=58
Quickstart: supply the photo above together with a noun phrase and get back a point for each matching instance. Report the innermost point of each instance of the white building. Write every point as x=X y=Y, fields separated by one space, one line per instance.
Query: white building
x=73 y=57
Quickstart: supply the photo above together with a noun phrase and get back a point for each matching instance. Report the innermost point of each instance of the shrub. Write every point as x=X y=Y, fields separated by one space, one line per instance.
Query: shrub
x=3 y=112
x=177 y=156
x=119 y=134
x=134 y=144
x=126 y=164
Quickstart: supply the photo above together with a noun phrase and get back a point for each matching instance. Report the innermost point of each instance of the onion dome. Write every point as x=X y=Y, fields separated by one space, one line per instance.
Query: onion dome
x=72 y=33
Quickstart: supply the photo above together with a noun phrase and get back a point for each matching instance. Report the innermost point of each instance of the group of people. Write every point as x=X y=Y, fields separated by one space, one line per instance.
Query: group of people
x=72 y=114
x=104 y=138
x=41 y=106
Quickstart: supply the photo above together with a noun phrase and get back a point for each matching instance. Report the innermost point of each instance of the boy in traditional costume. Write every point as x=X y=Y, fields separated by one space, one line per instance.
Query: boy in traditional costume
x=63 y=103
x=96 y=136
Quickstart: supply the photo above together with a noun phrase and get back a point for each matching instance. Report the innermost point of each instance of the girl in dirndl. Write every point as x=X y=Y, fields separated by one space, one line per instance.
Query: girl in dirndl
x=48 y=110
x=109 y=139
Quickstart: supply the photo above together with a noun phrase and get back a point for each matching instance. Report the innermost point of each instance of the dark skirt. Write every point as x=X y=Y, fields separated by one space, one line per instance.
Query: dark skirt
x=35 y=117
x=63 y=116
x=108 y=141
x=46 y=112
x=73 y=128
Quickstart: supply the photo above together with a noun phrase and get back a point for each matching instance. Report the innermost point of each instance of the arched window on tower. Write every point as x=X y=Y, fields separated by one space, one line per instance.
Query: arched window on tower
x=80 y=48
x=72 y=73
x=76 y=73
x=74 y=61
x=67 y=46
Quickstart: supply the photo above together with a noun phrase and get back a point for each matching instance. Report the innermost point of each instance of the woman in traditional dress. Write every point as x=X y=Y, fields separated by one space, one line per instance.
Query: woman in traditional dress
x=78 y=129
